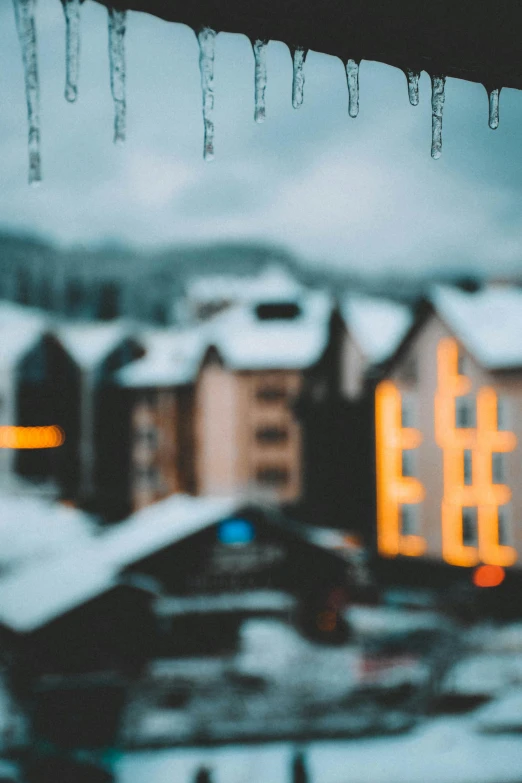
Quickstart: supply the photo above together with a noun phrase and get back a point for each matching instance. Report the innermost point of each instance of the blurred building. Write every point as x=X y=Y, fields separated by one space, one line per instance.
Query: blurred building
x=448 y=429
x=211 y=409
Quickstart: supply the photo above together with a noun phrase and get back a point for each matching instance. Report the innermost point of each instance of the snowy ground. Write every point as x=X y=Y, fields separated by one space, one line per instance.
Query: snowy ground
x=446 y=750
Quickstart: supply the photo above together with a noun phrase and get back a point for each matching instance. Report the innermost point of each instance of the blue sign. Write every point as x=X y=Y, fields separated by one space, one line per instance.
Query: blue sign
x=236 y=532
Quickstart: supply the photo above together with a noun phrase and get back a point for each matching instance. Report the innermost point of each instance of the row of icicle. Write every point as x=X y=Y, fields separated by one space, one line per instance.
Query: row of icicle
x=26 y=25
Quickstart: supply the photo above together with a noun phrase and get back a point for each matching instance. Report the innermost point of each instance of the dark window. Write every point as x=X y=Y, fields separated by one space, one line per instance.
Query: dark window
x=465 y=413
x=461 y=364
x=502 y=413
x=270 y=435
x=408 y=460
x=503 y=526
x=468 y=467
x=410 y=370
x=273 y=476
x=407 y=419
x=147 y=475
x=469 y=526
x=498 y=467
x=409 y=520
x=271 y=393
x=278 y=311
x=147 y=437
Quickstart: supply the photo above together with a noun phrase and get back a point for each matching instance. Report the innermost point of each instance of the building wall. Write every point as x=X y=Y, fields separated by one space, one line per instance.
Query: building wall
x=247 y=437
x=353 y=368
x=437 y=486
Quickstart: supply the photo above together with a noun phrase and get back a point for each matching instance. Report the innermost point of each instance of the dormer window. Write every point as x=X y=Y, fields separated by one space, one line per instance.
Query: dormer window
x=277 y=311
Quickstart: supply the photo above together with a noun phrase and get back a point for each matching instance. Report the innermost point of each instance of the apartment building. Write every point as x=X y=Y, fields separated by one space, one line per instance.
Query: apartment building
x=212 y=408
x=448 y=420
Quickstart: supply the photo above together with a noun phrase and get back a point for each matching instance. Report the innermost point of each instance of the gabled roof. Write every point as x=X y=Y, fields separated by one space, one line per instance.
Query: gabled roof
x=377 y=325
x=487 y=322
x=89 y=344
x=246 y=342
x=36 y=594
x=274 y=282
x=20 y=329
x=172 y=358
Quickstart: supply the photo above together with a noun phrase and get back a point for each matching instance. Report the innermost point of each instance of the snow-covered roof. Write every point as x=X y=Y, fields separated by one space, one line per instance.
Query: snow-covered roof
x=246 y=342
x=89 y=344
x=377 y=325
x=33 y=529
x=36 y=594
x=274 y=282
x=488 y=322
x=20 y=329
x=172 y=358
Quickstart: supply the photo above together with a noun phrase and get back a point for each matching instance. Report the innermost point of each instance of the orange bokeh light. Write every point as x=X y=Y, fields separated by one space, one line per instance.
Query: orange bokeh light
x=482 y=440
x=31 y=437
x=394 y=489
x=488 y=576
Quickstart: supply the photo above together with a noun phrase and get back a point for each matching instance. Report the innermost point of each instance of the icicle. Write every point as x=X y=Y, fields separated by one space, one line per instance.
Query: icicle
x=493 y=96
x=259 y=48
x=352 y=76
x=117 y=22
x=72 y=47
x=207 y=40
x=298 y=57
x=413 y=86
x=26 y=26
x=437 y=105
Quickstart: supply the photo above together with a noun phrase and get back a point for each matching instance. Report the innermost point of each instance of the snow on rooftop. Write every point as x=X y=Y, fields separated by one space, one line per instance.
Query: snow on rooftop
x=33 y=529
x=90 y=343
x=503 y=714
x=441 y=751
x=376 y=325
x=172 y=358
x=246 y=342
x=35 y=594
x=20 y=329
x=273 y=282
x=488 y=322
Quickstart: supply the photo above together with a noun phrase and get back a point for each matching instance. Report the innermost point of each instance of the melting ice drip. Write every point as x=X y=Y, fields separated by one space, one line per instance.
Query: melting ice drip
x=26 y=26
x=352 y=78
x=298 y=80
x=207 y=46
x=493 y=99
x=117 y=23
x=259 y=47
x=413 y=86
x=437 y=106
x=71 y=10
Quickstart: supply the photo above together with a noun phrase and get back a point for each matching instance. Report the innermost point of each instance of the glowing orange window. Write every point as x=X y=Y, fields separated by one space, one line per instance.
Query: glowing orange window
x=398 y=492
x=470 y=440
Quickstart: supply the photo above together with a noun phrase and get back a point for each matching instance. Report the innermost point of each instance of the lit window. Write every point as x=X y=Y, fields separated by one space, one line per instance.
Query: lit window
x=468 y=467
x=409 y=520
x=408 y=462
x=273 y=476
x=504 y=537
x=271 y=435
x=465 y=412
x=469 y=526
x=498 y=467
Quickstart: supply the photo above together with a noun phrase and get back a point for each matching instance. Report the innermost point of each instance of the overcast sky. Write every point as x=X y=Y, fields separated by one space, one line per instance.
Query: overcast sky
x=359 y=193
